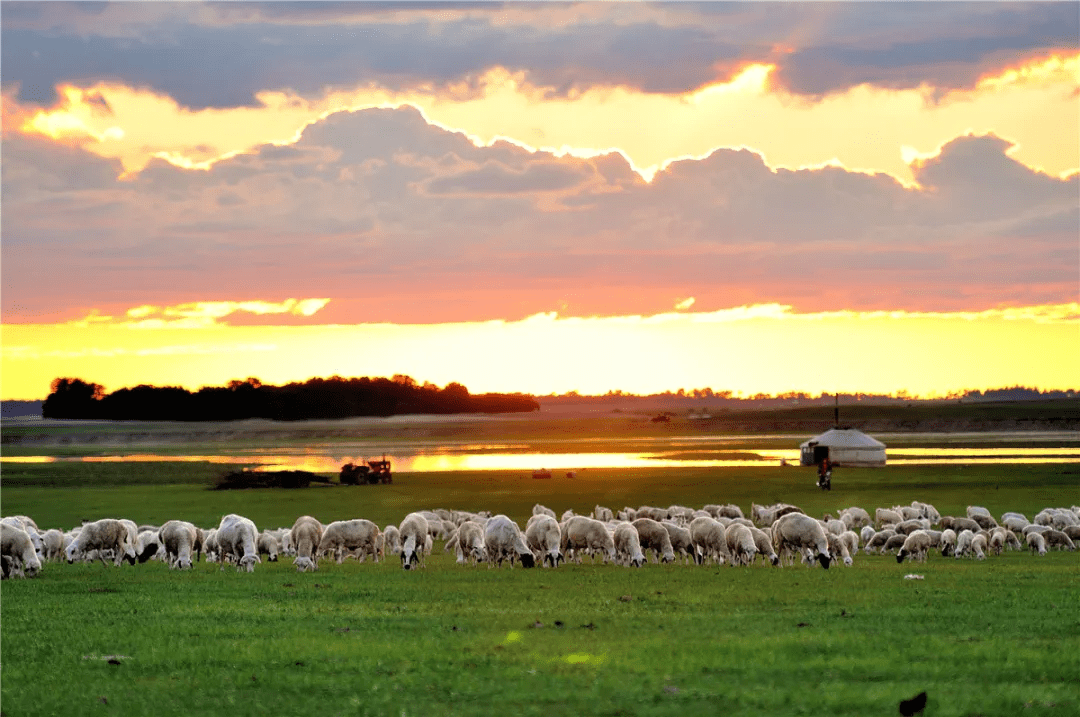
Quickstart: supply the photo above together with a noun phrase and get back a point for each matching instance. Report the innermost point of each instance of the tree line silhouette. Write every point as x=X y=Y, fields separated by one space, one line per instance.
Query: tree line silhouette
x=317 y=398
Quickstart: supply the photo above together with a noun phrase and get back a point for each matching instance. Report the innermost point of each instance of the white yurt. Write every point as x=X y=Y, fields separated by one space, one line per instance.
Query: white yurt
x=843 y=447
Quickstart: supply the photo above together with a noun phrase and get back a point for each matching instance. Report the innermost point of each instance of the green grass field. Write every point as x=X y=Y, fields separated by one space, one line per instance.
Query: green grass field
x=998 y=637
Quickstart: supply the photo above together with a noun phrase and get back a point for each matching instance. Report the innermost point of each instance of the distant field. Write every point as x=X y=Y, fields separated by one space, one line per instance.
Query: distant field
x=998 y=637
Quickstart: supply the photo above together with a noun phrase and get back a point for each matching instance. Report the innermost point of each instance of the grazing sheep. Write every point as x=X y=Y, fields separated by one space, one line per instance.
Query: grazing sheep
x=960 y=524
x=503 y=541
x=740 y=544
x=106 y=536
x=358 y=537
x=52 y=541
x=796 y=532
x=238 y=539
x=628 y=546
x=855 y=518
x=927 y=511
x=178 y=538
x=470 y=542
x=306 y=535
x=20 y=558
x=269 y=545
x=866 y=533
x=654 y=536
x=1058 y=539
x=948 y=542
x=1073 y=531
x=851 y=542
x=543 y=536
x=581 y=534
x=996 y=544
x=878 y=540
x=908 y=527
x=1014 y=522
x=680 y=539
x=963 y=543
x=885 y=516
x=764 y=545
x=916 y=546
x=392 y=540
x=148 y=545
x=414 y=534
x=709 y=537
x=838 y=549
x=602 y=514
x=894 y=543
x=978 y=546
x=1037 y=543
x=543 y=510
x=767 y=515
x=836 y=527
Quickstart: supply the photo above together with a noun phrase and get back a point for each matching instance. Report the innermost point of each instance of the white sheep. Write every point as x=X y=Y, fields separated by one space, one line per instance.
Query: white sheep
x=391 y=540
x=948 y=542
x=543 y=535
x=680 y=539
x=963 y=543
x=838 y=548
x=539 y=509
x=654 y=536
x=108 y=537
x=269 y=545
x=886 y=516
x=178 y=537
x=764 y=544
x=53 y=543
x=17 y=551
x=978 y=546
x=237 y=539
x=916 y=546
x=358 y=537
x=740 y=544
x=628 y=546
x=878 y=540
x=581 y=534
x=503 y=541
x=602 y=514
x=306 y=535
x=470 y=541
x=414 y=535
x=1036 y=542
x=797 y=532
x=866 y=533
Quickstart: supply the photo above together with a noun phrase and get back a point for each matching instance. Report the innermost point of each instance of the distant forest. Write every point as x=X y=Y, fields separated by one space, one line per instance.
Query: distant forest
x=317 y=398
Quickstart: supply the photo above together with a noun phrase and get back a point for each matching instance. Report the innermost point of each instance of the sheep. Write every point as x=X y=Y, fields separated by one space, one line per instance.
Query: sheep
x=851 y=541
x=654 y=536
x=543 y=536
x=503 y=541
x=391 y=540
x=854 y=517
x=581 y=534
x=269 y=545
x=767 y=515
x=1015 y=523
x=680 y=539
x=178 y=537
x=52 y=541
x=148 y=545
x=107 y=535
x=628 y=546
x=763 y=543
x=306 y=534
x=838 y=548
x=358 y=537
x=414 y=534
x=866 y=533
x=798 y=532
x=1073 y=531
x=907 y=512
x=963 y=543
x=908 y=527
x=948 y=542
x=18 y=552
x=542 y=510
x=885 y=516
x=740 y=544
x=836 y=527
x=1037 y=543
x=927 y=511
x=960 y=524
x=916 y=546
x=996 y=544
x=878 y=540
x=709 y=537
x=978 y=546
x=470 y=542
x=238 y=538
x=894 y=543
x=602 y=514
x=1058 y=539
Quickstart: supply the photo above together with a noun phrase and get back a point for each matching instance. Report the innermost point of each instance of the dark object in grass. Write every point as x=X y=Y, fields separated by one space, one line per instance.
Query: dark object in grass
x=241 y=479
x=913 y=706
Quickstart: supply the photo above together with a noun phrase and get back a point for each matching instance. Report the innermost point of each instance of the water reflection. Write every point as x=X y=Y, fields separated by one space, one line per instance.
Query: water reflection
x=475 y=457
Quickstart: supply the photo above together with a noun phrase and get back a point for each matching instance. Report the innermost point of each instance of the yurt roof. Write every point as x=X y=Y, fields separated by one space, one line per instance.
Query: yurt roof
x=845 y=438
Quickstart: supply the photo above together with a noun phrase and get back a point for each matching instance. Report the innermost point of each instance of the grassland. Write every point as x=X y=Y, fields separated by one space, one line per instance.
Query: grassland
x=999 y=637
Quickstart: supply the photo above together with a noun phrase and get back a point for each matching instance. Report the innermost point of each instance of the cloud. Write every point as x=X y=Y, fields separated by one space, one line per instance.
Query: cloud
x=224 y=55
x=399 y=220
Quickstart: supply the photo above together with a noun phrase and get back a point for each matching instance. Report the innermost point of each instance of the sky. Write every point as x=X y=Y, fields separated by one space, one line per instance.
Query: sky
x=542 y=197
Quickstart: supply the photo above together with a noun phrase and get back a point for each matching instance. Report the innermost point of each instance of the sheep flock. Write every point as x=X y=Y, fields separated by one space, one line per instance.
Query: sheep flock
x=780 y=535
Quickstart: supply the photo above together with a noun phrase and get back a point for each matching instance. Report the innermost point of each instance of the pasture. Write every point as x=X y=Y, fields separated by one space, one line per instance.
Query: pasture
x=997 y=637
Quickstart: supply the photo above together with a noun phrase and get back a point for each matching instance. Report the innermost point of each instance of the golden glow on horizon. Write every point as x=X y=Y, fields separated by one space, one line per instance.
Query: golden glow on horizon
x=749 y=349
x=1033 y=105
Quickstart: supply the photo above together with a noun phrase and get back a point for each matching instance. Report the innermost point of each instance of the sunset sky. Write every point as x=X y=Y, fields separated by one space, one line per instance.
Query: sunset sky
x=542 y=197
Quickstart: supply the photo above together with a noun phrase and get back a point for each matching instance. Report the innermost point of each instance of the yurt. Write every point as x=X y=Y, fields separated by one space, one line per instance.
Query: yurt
x=843 y=447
